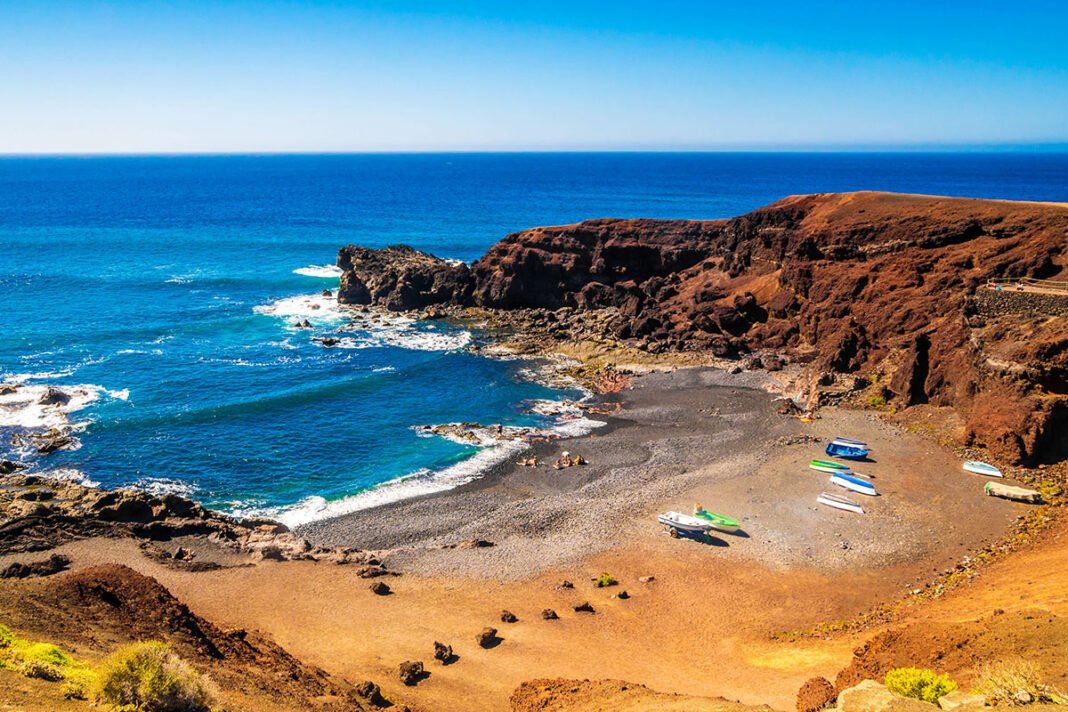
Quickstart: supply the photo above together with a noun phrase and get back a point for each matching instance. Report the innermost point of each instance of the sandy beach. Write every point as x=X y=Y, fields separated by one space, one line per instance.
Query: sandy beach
x=685 y=436
x=703 y=626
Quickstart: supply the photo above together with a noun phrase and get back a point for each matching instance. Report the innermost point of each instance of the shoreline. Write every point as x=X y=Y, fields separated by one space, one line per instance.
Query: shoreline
x=696 y=434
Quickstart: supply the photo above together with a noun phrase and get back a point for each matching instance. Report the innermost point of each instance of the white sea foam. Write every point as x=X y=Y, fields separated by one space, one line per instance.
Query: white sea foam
x=68 y=474
x=421 y=482
x=164 y=485
x=22 y=407
x=321 y=271
x=313 y=307
x=492 y=452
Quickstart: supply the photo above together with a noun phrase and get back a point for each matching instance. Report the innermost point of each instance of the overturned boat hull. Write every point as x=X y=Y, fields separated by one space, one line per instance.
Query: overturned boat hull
x=839 y=502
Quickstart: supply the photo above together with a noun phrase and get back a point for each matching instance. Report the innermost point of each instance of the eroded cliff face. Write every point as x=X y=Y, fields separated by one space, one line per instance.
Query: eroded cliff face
x=856 y=283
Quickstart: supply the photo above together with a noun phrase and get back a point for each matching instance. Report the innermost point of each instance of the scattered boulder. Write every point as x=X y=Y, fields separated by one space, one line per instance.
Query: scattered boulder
x=329 y=341
x=565 y=584
x=411 y=672
x=369 y=691
x=646 y=579
x=961 y=700
x=54 y=396
x=508 y=617
x=327 y=293
x=9 y=466
x=487 y=638
x=584 y=607
x=549 y=615
x=380 y=588
x=443 y=653
x=372 y=571
x=816 y=694
x=623 y=595
x=871 y=696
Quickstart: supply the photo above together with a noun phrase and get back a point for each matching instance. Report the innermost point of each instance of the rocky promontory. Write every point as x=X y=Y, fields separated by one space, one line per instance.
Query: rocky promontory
x=882 y=291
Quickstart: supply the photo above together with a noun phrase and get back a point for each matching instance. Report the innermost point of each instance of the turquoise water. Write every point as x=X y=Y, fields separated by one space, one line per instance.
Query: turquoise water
x=159 y=292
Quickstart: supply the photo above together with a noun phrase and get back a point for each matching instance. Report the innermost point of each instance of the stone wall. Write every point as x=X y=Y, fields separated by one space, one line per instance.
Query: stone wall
x=992 y=303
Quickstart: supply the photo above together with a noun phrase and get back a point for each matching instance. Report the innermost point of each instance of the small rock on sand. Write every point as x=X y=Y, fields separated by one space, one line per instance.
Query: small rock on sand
x=566 y=584
x=549 y=615
x=380 y=589
x=508 y=617
x=622 y=595
x=487 y=638
x=411 y=672
x=442 y=652
x=647 y=579
x=584 y=607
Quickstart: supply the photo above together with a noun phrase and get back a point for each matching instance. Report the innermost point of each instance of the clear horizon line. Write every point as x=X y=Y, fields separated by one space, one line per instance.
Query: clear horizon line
x=1025 y=147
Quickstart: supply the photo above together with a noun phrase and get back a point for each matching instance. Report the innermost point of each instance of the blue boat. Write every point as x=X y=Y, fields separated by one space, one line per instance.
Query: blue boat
x=854 y=484
x=850 y=450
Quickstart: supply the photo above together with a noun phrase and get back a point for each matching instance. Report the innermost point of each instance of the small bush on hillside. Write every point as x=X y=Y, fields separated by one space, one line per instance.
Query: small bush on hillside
x=604 y=580
x=1014 y=682
x=40 y=670
x=149 y=677
x=876 y=401
x=41 y=661
x=919 y=684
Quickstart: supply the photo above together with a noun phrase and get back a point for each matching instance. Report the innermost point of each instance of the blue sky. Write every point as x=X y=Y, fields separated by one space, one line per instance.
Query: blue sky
x=451 y=75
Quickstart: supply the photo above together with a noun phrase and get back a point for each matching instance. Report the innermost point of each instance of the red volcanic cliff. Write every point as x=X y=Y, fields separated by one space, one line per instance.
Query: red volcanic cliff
x=851 y=283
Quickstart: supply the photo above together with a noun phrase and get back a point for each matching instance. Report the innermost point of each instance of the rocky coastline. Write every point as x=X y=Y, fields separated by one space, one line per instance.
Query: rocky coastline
x=876 y=297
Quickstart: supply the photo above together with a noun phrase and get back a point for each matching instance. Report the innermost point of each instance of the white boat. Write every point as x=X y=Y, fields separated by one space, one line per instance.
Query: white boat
x=850 y=442
x=854 y=484
x=982 y=468
x=679 y=522
x=839 y=502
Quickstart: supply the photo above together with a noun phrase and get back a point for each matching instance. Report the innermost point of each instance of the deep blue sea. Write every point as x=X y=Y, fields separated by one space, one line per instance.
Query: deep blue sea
x=160 y=292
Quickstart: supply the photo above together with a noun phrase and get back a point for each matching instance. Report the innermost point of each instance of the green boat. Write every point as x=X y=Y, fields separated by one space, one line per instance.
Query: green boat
x=835 y=468
x=718 y=521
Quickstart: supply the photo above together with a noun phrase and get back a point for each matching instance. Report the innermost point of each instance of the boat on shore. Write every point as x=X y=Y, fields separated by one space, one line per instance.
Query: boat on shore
x=830 y=467
x=982 y=468
x=1017 y=494
x=854 y=484
x=849 y=449
x=839 y=502
x=718 y=521
x=679 y=523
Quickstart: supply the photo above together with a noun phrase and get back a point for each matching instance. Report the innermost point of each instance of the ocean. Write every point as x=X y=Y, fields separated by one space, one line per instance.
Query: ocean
x=159 y=293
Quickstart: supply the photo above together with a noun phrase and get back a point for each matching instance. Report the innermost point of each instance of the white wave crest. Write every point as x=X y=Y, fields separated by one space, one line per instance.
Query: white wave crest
x=321 y=271
x=416 y=484
x=22 y=407
x=68 y=474
x=164 y=485
x=313 y=307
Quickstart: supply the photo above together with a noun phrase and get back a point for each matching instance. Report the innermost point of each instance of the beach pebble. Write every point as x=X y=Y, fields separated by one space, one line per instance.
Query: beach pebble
x=566 y=584
x=508 y=617
x=380 y=589
x=647 y=579
x=622 y=595
x=584 y=607
x=549 y=615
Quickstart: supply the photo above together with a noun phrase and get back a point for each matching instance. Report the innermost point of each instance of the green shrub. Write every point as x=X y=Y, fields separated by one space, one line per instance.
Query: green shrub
x=1003 y=682
x=7 y=638
x=40 y=670
x=876 y=401
x=149 y=677
x=605 y=580
x=919 y=684
x=45 y=653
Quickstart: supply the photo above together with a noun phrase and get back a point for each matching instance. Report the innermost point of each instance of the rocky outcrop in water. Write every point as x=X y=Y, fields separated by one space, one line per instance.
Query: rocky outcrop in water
x=862 y=284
